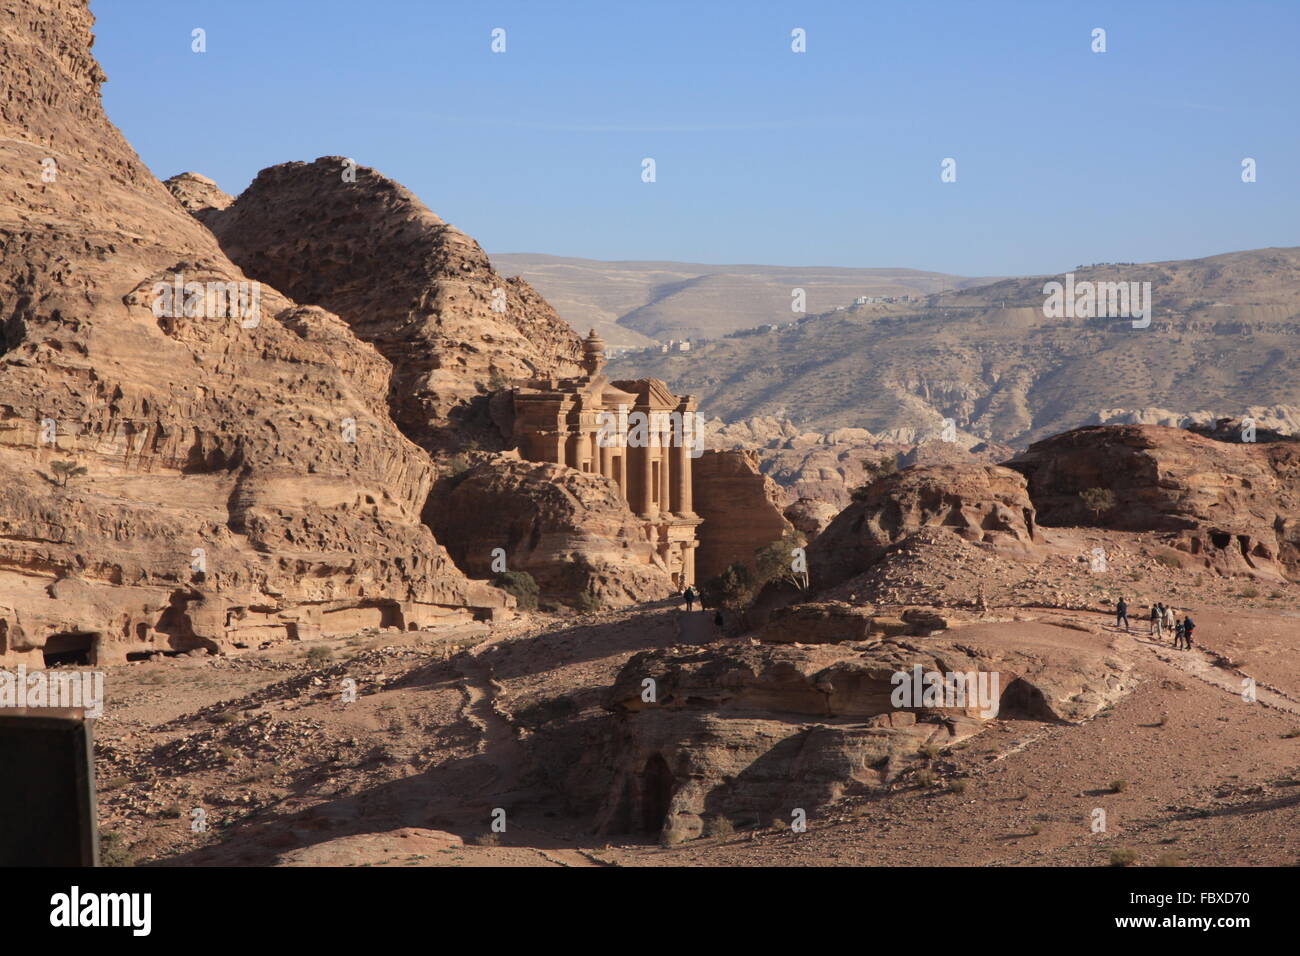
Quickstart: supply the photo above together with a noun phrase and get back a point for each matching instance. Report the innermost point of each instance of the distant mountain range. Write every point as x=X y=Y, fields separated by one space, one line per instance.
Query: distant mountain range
x=1224 y=337
x=635 y=304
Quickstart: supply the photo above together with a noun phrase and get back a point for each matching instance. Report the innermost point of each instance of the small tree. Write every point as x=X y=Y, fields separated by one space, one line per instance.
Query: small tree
x=1098 y=500
x=875 y=469
x=729 y=589
x=777 y=561
x=64 y=470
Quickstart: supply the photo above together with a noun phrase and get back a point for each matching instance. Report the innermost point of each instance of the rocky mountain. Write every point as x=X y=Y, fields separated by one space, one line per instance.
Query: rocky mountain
x=190 y=459
x=1222 y=335
x=1230 y=506
x=634 y=304
x=344 y=237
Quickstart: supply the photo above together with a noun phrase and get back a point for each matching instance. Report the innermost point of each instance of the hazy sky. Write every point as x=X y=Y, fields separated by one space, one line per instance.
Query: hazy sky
x=829 y=157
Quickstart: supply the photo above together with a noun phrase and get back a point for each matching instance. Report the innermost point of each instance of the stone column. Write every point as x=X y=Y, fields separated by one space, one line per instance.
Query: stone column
x=683 y=502
x=664 y=486
x=648 y=506
x=560 y=441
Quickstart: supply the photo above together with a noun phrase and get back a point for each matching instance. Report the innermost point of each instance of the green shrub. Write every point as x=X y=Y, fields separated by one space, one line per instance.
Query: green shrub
x=1122 y=857
x=875 y=469
x=112 y=851
x=319 y=655
x=731 y=589
x=1098 y=500
x=588 y=601
x=521 y=585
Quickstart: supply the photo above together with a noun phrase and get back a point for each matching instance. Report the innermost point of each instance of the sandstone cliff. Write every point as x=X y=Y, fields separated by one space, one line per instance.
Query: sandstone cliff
x=243 y=480
x=344 y=237
x=741 y=509
x=1233 y=506
x=570 y=530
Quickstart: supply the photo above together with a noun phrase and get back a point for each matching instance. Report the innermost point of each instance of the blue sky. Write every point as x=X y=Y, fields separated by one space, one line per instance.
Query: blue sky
x=829 y=157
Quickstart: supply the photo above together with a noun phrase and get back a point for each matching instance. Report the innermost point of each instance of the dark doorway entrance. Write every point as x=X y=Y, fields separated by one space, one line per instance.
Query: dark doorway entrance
x=656 y=794
x=76 y=650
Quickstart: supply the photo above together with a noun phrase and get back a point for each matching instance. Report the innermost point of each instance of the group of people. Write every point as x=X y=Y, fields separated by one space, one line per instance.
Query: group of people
x=1162 y=618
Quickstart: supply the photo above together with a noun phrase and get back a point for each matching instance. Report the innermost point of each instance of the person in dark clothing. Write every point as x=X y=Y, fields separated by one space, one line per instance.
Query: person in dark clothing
x=689 y=595
x=717 y=621
x=1178 y=635
x=1188 y=626
x=1121 y=613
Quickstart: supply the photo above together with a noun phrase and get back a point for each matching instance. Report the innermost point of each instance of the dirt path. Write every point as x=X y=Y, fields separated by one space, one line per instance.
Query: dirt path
x=695 y=627
x=1206 y=666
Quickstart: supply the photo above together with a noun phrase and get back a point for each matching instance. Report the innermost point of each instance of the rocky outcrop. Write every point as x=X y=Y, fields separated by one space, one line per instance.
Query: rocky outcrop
x=810 y=516
x=344 y=237
x=981 y=503
x=242 y=479
x=752 y=733
x=198 y=195
x=741 y=509
x=569 y=529
x=837 y=622
x=1234 y=507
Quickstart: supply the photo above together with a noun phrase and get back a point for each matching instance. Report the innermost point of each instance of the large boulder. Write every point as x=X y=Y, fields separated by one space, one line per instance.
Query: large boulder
x=1233 y=506
x=981 y=503
x=754 y=732
x=570 y=530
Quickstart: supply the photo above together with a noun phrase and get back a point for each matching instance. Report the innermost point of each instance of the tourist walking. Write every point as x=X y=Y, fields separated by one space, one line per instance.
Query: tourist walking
x=689 y=596
x=1169 y=620
x=1121 y=613
x=1157 y=616
x=1188 y=626
x=1178 y=635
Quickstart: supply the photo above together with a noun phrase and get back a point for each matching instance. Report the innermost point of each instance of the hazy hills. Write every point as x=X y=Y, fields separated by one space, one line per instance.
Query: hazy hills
x=637 y=303
x=1224 y=336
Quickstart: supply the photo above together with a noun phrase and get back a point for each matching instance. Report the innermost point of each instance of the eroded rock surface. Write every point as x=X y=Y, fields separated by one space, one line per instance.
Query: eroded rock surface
x=243 y=480
x=1234 y=507
x=981 y=503
x=735 y=731
x=570 y=530
x=344 y=237
x=741 y=509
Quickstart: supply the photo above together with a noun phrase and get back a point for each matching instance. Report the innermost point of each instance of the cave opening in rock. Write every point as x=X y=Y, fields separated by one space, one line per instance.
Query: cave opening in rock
x=71 y=649
x=656 y=794
x=1024 y=701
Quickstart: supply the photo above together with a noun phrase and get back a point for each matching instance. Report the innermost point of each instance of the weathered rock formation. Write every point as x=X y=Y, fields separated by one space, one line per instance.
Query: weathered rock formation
x=751 y=733
x=1235 y=507
x=741 y=509
x=243 y=479
x=570 y=530
x=198 y=195
x=344 y=237
x=983 y=503
x=837 y=622
x=810 y=516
